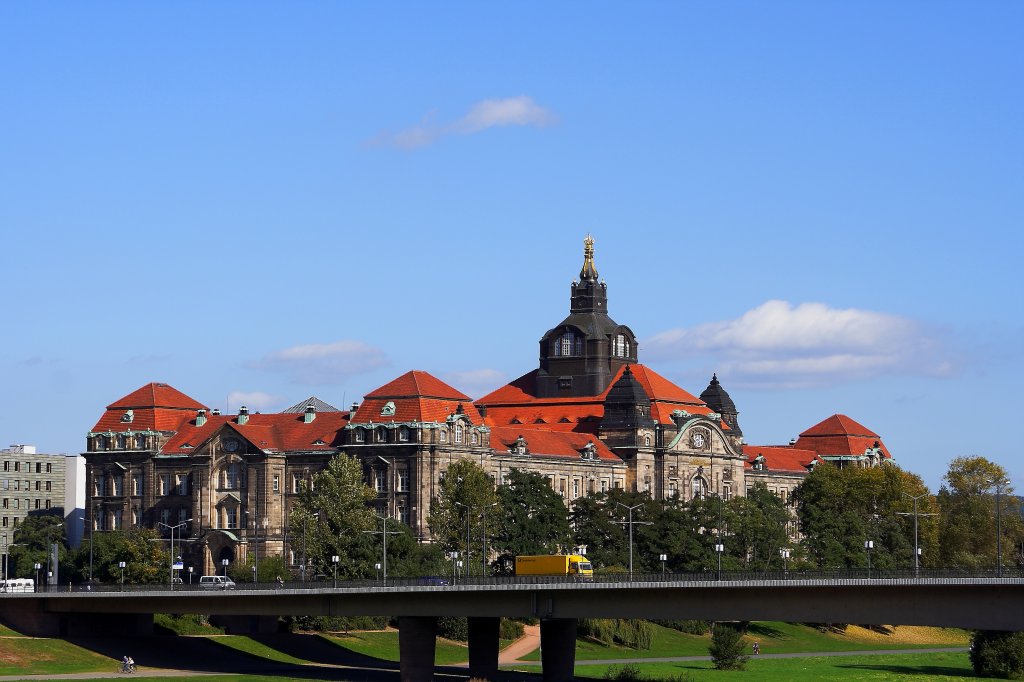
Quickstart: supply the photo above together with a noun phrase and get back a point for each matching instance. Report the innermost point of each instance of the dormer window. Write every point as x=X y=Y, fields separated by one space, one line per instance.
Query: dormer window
x=382 y=435
x=758 y=463
x=360 y=435
x=475 y=438
x=443 y=436
x=140 y=441
x=620 y=346
x=122 y=441
x=102 y=442
x=128 y=417
x=519 y=447
x=388 y=410
x=567 y=344
x=589 y=451
x=403 y=434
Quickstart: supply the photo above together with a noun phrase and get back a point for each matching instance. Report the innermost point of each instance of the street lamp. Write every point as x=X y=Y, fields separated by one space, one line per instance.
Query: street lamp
x=664 y=558
x=385 y=532
x=121 y=565
x=784 y=553
x=868 y=546
x=453 y=556
x=719 y=548
x=377 y=566
x=172 y=529
x=190 y=569
x=37 y=567
x=917 y=548
x=224 y=563
x=334 y=560
x=631 y=522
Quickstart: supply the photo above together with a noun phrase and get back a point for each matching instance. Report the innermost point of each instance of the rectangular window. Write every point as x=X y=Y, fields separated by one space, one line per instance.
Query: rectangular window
x=47 y=504
x=403 y=481
x=296 y=483
x=5 y=522
x=231 y=477
x=37 y=503
x=575 y=488
x=7 y=466
x=17 y=484
x=231 y=517
x=17 y=503
x=182 y=484
x=165 y=484
x=49 y=468
x=137 y=483
x=16 y=468
x=381 y=481
x=39 y=467
x=48 y=484
x=182 y=515
x=7 y=484
x=100 y=485
x=403 y=514
x=6 y=502
x=618 y=484
x=118 y=482
x=277 y=483
x=165 y=516
x=135 y=516
x=115 y=519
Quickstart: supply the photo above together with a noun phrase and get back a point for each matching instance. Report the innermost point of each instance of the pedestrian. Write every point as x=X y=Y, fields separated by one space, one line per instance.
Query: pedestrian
x=280 y=582
x=757 y=648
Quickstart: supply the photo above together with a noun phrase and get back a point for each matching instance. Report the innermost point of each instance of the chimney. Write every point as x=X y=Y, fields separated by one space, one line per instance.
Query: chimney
x=201 y=418
x=355 y=406
x=216 y=412
x=310 y=414
x=243 y=415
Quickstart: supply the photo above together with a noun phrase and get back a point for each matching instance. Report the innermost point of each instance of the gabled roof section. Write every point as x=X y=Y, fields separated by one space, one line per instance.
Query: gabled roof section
x=283 y=432
x=518 y=400
x=839 y=425
x=417 y=383
x=545 y=443
x=415 y=396
x=154 y=407
x=780 y=458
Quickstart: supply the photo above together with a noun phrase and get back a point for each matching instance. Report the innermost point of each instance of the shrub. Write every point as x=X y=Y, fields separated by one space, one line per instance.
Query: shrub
x=690 y=627
x=510 y=629
x=634 y=633
x=998 y=654
x=453 y=628
x=727 y=647
x=600 y=629
x=627 y=673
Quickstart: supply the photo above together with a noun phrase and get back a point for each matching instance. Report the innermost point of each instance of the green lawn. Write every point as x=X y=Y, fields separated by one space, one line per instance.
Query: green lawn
x=774 y=637
x=869 y=668
x=254 y=648
x=384 y=645
x=31 y=656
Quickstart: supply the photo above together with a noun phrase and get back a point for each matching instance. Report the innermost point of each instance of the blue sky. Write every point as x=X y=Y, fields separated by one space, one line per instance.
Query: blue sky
x=256 y=202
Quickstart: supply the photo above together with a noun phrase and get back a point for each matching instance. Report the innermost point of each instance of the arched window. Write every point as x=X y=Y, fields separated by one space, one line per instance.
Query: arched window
x=360 y=436
x=444 y=436
x=475 y=439
x=699 y=488
x=102 y=442
x=620 y=346
x=382 y=435
x=567 y=344
x=122 y=441
x=403 y=434
x=140 y=441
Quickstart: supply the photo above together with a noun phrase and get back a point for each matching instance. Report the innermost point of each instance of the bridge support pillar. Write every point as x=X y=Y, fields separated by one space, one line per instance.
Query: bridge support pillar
x=417 y=638
x=558 y=648
x=483 y=648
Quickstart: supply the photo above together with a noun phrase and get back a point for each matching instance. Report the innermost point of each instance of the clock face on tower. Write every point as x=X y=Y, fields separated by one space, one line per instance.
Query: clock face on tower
x=698 y=440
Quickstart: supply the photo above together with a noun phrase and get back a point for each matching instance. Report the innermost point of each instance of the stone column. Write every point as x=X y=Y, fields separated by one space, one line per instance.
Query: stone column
x=417 y=637
x=558 y=648
x=483 y=648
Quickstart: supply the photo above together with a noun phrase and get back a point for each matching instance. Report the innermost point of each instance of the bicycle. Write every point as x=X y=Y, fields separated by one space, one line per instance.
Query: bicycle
x=126 y=668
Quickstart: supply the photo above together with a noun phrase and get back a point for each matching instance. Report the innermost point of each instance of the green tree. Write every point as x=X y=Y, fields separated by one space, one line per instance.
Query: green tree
x=757 y=528
x=534 y=519
x=998 y=654
x=31 y=544
x=597 y=520
x=467 y=496
x=331 y=517
x=727 y=647
x=967 y=500
x=145 y=553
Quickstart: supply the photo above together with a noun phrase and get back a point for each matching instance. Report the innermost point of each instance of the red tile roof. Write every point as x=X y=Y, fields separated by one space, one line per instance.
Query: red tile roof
x=517 y=400
x=780 y=457
x=418 y=383
x=285 y=432
x=417 y=396
x=840 y=436
x=155 y=407
x=545 y=443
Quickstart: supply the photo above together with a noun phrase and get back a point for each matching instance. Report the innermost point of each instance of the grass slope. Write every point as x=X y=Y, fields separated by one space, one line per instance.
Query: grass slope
x=43 y=656
x=776 y=638
x=384 y=645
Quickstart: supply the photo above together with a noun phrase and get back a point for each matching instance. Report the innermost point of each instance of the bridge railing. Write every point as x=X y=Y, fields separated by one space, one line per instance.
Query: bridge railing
x=774 y=577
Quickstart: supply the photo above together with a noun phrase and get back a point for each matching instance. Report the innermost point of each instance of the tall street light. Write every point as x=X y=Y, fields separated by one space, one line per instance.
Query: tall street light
x=917 y=548
x=483 y=537
x=631 y=522
x=784 y=553
x=868 y=546
x=468 y=537
x=172 y=529
x=385 y=533
x=121 y=565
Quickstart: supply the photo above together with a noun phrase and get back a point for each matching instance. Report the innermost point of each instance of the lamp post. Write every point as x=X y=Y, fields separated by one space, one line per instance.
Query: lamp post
x=334 y=560
x=917 y=548
x=302 y=566
x=377 y=566
x=483 y=536
x=37 y=567
x=631 y=522
x=784 y=553
x=172 y=529
x=719 y=548
x=92 y=525
x=384 y=532
x=466 y=507
x=455 y=576
x=868 y=546
x=121 y=565
x=190 y=569
x=224 y=563
x=664 y=558
x=459 y=563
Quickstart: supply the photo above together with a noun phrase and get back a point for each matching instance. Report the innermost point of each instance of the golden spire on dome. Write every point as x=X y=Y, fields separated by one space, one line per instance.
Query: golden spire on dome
x=588 y=272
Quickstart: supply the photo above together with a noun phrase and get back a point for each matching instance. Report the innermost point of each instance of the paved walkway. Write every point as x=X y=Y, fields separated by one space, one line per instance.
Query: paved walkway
x=810 y=654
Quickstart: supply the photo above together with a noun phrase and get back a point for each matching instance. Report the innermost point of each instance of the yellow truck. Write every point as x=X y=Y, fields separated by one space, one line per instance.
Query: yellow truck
x=568 y=565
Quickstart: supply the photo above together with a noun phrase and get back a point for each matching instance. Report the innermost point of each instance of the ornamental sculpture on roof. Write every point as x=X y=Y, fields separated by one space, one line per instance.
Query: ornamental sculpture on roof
x=589 y=271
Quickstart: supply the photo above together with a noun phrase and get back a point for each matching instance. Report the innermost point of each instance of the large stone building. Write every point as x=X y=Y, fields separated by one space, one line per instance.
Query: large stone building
x=590 y=417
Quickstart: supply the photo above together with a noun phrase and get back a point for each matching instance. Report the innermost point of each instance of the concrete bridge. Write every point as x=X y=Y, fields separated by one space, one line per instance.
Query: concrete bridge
x=991 y=603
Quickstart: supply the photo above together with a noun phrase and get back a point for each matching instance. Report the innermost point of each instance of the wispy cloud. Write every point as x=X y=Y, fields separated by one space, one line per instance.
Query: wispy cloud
x=779 y=344
x=256 y=401
x=475 y=382
x=489 y=113
x=324 y=364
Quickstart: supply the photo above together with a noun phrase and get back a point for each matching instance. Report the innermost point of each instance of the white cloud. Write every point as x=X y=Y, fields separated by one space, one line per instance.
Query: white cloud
x=324 y=364
x=256 y=401
x=785 y=345
x=475 y=382
x=489 y=113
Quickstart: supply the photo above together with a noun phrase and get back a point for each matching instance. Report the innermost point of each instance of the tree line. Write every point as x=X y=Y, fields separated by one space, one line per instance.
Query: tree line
x=485 y=526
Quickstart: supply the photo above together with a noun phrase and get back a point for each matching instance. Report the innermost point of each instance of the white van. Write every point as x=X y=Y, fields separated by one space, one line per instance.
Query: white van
x=216 y=582
x=18 y=585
